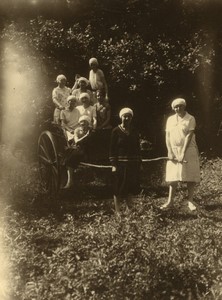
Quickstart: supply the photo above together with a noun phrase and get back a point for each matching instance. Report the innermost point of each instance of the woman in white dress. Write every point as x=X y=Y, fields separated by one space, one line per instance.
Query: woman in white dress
x=183 y=164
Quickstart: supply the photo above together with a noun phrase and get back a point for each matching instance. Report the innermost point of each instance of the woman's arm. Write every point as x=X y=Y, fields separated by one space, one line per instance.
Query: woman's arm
x=76 y=137
x=94 y=122
x=168 y=145
x=55 y=100
x=76 y=83
x=107 y=121
x=113 y=150
x=186 y=144
x=103 y=79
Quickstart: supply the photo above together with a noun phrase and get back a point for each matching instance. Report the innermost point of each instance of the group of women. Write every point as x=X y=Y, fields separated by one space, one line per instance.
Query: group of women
x=86 y=106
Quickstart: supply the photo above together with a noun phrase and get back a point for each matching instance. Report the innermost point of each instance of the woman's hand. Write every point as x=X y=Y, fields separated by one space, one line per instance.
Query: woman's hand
x=171 y=155
x=113 y=169
x=181 y=157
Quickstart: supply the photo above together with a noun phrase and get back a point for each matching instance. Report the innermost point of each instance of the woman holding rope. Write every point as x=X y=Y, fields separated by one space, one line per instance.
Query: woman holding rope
x=125 y=159
x=183 y=164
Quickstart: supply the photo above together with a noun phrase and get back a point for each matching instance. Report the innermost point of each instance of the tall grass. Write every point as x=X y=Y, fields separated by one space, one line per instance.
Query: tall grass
x=87 y=252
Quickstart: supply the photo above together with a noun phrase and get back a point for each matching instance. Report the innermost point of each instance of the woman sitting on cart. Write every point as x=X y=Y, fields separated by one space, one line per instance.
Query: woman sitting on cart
x=77 y=152
x=87 y=110
x=70 y=118
x=83 y=88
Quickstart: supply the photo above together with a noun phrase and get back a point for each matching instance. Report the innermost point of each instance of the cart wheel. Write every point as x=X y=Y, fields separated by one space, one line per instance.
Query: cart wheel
x=49 y=163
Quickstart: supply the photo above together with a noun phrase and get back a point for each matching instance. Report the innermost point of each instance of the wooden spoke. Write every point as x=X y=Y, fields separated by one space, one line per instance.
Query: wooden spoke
x=55 y=170
x=44 y=151
x=45 y=147
x=45 y=160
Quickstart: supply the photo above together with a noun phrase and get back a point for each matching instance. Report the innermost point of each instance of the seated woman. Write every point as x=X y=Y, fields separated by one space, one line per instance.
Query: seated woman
x=87 y=110
x=83 y=88
x=78 y=151
x=70 y=117
x=103 y=111
x=82 y=131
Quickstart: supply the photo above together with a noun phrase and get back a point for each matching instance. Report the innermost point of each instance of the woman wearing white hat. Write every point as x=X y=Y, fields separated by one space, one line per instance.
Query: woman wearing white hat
x=77 y=152
x=83 y=88
x=59 y=96
x=96 y=77
x=86 y=109
x=70 y=117
x=125 y=158
x=183 y=164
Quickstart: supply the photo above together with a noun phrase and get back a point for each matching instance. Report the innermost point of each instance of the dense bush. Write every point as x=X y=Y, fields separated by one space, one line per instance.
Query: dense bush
x=143 y=71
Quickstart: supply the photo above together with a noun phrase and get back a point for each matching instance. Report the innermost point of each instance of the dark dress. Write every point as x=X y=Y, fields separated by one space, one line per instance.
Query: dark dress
x=78 y=152
x=125 y=156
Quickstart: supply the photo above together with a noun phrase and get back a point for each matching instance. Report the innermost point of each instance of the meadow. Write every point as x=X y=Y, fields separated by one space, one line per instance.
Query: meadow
x=84 y=251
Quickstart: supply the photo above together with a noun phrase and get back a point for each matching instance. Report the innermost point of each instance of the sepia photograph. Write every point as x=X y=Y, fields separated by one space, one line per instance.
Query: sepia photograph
x=110 y=149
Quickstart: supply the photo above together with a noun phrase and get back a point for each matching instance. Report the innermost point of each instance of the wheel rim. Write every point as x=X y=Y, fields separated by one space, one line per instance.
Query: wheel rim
x=48 y=163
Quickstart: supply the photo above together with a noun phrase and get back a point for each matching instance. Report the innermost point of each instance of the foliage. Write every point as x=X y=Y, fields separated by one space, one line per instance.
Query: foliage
x=144 y=69
x=89 y=253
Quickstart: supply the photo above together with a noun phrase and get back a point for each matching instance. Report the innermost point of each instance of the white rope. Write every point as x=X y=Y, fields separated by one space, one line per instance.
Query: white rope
x=153 y=159
x=95 y=166
x=109 y=167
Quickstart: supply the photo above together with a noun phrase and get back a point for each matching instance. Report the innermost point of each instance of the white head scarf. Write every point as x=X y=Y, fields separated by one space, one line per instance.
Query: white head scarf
x=71 y=98
x=85 y=118
x=83 y=79
x=82 y=95
x=93 y=60
x=60 y=77
x=178 y=101
x=125 y=110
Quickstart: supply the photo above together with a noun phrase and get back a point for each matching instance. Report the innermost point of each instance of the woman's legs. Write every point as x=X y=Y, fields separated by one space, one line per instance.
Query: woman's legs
x=69 y=178
x=172 y=191
x=191 y=188
x=116 y=203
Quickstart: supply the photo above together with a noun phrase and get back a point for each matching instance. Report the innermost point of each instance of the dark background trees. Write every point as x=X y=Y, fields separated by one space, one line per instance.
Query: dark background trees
x=150 y=51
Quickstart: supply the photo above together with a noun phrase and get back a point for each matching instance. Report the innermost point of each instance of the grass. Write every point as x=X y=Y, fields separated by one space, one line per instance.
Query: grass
x=85 y=251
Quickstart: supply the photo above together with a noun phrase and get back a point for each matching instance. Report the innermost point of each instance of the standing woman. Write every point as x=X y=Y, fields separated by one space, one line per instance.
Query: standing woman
x=125 y=158
x=96 y=77
x=183 y=164
x=59 y=97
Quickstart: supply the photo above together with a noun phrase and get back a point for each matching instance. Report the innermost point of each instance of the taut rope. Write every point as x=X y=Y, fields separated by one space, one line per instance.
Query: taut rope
x=109 y=167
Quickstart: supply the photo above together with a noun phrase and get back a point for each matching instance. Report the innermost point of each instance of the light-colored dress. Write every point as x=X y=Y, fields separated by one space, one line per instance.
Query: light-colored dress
x=178 y=128
x=61 y=95
x=77 y=93
x=71 y=119
x=89 y=111
x=96 y=79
